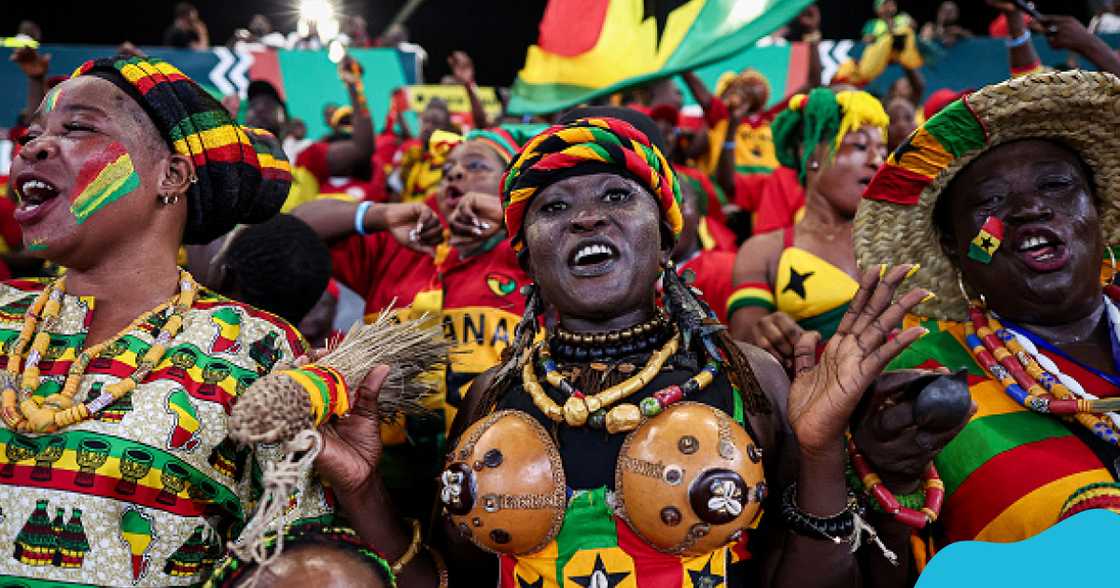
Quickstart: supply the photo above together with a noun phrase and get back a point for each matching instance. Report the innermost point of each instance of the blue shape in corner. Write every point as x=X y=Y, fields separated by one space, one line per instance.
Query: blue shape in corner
x=1046 y=560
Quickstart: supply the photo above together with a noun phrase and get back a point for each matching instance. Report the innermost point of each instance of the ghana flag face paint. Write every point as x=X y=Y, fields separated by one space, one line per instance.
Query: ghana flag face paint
x=52 y=100
x=104 y=178
x=984 y=245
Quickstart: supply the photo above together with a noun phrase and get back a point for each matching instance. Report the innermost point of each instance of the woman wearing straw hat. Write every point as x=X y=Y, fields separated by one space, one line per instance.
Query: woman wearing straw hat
x=632 y=444
x=1008 y=200
x=801 y=278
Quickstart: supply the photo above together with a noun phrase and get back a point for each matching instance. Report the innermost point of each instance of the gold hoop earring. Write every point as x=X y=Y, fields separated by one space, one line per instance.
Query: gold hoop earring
x=964 y=293
x=1112 y=258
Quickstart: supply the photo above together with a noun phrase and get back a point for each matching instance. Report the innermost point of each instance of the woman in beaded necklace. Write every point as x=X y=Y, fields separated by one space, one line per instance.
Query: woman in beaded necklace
x=118 y=377
x=1008 y=199
x=656 y=478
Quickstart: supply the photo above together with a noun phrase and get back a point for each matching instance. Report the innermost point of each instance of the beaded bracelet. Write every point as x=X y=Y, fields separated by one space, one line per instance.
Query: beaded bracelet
x=834 y=528
x=915 y=500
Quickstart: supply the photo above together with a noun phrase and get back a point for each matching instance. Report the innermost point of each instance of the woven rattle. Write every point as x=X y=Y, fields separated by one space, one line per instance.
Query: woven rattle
x=281 y=404
x=289 y=404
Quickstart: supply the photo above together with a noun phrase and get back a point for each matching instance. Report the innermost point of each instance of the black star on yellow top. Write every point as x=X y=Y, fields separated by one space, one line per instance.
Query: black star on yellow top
x=704 y=578
x=797 y=282
x=523 y=583
x=987 y=245
x=599 y=575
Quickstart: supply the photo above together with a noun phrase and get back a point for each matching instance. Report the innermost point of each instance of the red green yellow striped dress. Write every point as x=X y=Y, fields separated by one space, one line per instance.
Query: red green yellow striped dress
x=1008 y=473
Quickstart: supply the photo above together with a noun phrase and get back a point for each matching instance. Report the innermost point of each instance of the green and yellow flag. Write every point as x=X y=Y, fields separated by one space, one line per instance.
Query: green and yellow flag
x=588 y=48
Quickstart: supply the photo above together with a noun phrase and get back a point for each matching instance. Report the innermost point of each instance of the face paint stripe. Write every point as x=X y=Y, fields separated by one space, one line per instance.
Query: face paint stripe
x=52 y=99
x=93 y=166
x=118 y=190
x=102 y=181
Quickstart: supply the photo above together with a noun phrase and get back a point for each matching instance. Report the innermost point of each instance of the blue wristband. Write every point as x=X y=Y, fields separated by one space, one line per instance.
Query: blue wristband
x=360 y=217
x=1020 y=40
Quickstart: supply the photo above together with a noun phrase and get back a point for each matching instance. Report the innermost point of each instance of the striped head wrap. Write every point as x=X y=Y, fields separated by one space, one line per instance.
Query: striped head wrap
x=895 y=224
x=820 y=116
x=505 y=140
x=243 y=175
x=593 y=140
x=231 y=570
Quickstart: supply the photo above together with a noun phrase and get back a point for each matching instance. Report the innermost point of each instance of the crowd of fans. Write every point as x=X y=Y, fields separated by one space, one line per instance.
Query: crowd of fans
x=790 y=219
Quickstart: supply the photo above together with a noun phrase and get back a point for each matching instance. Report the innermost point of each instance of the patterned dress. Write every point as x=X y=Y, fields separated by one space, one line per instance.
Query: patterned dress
x=147 y=491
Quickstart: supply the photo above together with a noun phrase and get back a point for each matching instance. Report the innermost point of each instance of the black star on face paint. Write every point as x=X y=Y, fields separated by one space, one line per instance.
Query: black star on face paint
x=523 y=583
x=660 y=11
x=599 y=575
x=797 y=282
x=704 y=578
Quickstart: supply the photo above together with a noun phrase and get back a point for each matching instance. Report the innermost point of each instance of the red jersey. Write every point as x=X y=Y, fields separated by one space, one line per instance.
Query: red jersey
x=712 y=270
x=478 y=299
x=314 y=160
x=775 y=199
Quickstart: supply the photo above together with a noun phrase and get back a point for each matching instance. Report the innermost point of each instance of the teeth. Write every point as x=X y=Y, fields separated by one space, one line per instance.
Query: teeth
x=587 y=250
x=1032 y=242
x=30 y=185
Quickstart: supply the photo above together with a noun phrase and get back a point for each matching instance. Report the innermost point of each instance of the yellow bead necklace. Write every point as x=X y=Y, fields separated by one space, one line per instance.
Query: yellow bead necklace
x=23 y=411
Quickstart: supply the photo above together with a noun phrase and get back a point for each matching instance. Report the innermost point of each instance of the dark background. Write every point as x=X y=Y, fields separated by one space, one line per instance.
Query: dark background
x=494 y=32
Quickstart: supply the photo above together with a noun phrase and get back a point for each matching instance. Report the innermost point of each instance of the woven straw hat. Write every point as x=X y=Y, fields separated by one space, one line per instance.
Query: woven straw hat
x=894 y=224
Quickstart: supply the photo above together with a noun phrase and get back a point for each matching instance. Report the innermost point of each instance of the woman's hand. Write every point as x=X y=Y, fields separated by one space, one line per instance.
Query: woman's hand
x=476 y=219
x=823 y=396
x=899 y=441
x=413 y=224
x=352 y=445
x=778 y=334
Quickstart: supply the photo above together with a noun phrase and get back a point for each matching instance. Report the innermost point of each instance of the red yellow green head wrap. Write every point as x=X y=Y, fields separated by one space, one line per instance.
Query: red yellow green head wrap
x=504 y=140
x=587 y=145
x=243 y=176
x=820 y=116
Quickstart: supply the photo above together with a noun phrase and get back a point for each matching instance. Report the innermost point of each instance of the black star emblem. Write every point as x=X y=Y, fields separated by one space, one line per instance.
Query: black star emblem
x=906 y=147
x=986 y=243
x=797 y=282
x=704 y=578
x=523 y=583
x=598 y=575
x=660 y=11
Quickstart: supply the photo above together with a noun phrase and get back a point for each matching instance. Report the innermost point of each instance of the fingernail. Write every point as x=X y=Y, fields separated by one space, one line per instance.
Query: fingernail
x=929 y=296
x=882 y=270
x=924 y=330
x=913 y=270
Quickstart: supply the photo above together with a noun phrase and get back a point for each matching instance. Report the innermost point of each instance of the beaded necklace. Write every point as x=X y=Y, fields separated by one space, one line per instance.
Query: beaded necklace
x=23 y=411
x=637 y=339
x=1028 y=377
x=596 y=410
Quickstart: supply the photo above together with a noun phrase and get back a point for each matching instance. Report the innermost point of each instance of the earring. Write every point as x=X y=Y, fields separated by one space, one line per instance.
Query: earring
x=194 y=178
x=166 y=200
x=1112 y=258
x=814 y=165
x=964 y=294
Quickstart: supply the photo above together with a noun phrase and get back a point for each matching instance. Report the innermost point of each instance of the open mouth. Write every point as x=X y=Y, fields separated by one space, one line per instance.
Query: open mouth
x=865 y=182
x=1041 y=249
x=592 y=258
x=452 y=194
x=34 y=196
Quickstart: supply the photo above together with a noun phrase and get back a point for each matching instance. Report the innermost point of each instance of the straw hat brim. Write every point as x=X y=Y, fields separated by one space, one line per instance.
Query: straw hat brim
x=1076 y=108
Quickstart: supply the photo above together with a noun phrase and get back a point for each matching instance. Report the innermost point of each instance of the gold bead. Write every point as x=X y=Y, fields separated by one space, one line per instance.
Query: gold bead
x=575 y=412
x=624 y=417
x=57 y=402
